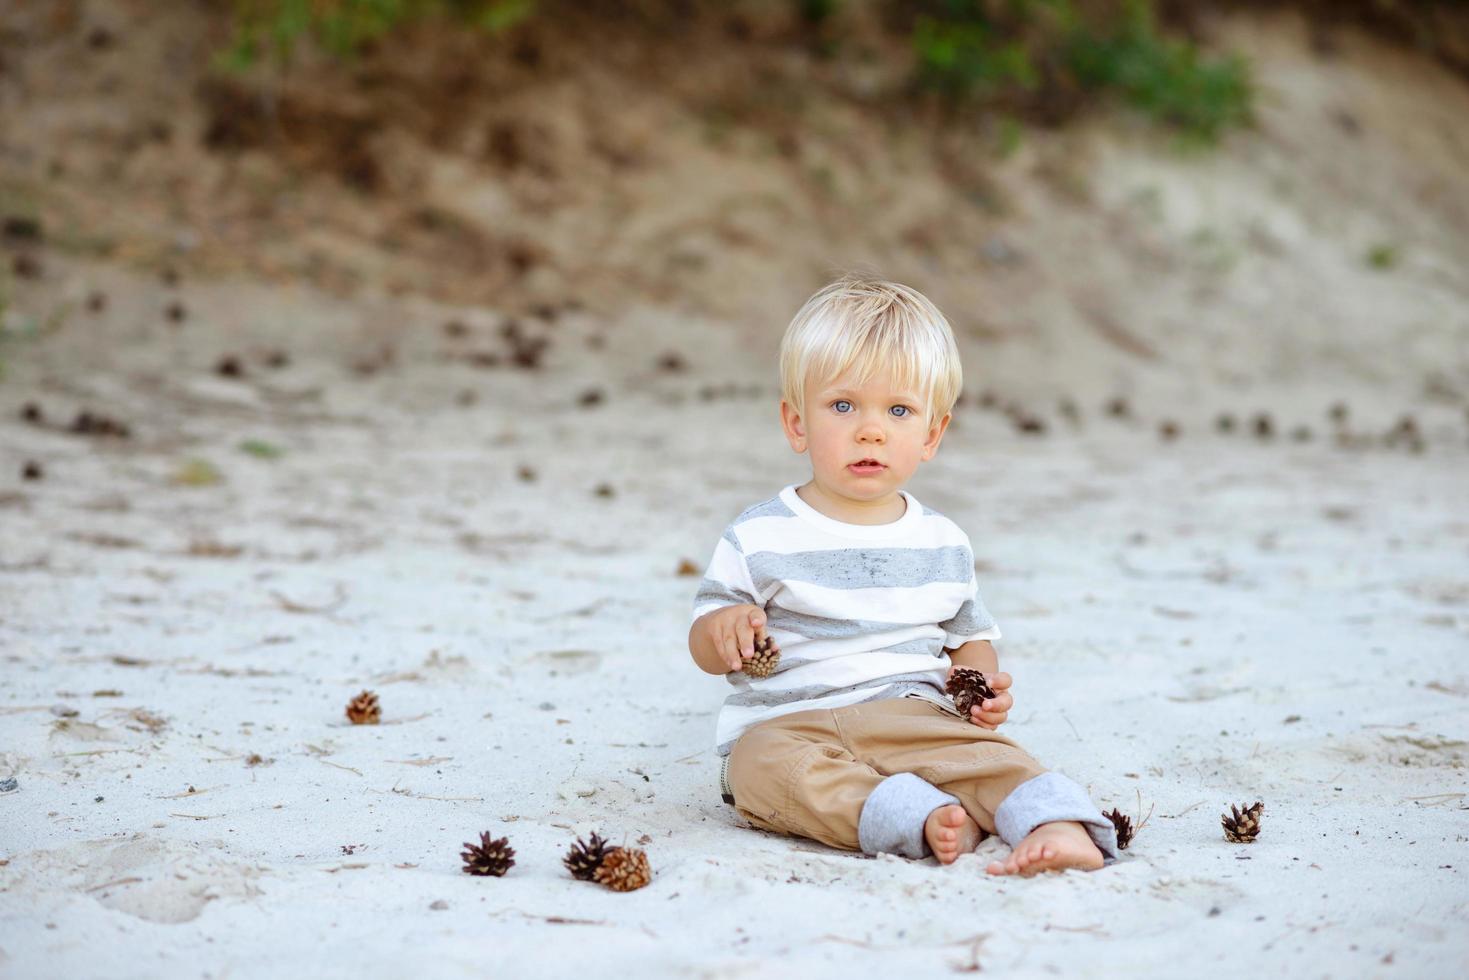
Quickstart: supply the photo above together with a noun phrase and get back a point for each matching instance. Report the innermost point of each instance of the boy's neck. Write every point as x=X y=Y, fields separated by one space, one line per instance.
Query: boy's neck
x=883 y=511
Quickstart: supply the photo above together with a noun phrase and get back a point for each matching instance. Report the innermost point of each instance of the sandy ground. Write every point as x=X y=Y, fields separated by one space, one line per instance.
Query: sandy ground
x=1191 y=624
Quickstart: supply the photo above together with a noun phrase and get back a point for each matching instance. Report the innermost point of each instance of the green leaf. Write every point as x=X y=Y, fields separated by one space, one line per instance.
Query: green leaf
x=197 y=473
x=261 y=449
x=1382 y=256
x=503 y=14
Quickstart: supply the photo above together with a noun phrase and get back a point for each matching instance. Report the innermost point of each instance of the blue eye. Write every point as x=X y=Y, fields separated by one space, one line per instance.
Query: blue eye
x=901 y=411
x=840 y=402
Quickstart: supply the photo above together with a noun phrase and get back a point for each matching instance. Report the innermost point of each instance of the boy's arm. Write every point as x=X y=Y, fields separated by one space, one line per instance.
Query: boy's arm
x=701 y=645
x=723 y=637
x=980 y=655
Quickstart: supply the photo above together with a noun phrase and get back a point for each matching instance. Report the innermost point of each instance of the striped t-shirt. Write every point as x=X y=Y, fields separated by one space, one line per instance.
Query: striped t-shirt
x=859 y=611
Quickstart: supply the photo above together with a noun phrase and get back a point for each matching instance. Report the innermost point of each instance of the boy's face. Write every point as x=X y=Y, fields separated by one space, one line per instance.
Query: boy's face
x=846 y=427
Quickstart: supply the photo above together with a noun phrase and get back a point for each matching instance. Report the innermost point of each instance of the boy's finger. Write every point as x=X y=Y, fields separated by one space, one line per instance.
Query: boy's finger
x=729 y=650
x=745 y=638
x=741 y=647
x=998 y=680
x=757 y=618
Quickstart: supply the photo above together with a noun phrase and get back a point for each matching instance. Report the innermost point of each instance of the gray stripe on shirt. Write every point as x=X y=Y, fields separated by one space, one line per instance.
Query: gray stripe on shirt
x=774 y=507
x=969 y=619
x=862 y=568
x=711 y=590
x=747 y=699
x=810 y=627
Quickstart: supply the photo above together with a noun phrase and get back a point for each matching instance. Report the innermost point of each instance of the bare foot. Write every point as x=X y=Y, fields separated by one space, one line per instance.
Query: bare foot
x=1051 y=847
x=950 y=831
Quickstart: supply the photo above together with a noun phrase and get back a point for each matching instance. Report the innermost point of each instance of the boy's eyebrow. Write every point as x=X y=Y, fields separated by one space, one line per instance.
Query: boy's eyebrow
x=827 y=392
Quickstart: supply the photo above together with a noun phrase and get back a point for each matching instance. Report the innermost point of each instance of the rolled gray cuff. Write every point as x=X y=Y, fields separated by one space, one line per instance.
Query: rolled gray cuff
x=893 y=816
x=1047 y=798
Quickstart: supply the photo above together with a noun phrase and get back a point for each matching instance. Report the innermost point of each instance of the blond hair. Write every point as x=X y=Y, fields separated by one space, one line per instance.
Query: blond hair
x=861 y=325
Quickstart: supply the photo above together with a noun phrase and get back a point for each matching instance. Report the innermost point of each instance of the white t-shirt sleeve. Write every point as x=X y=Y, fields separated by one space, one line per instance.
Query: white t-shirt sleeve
x=972 y=621
x=727 y=580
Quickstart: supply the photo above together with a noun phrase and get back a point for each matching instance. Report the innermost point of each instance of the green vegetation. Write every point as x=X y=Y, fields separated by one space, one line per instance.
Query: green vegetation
x=1039 y=60
x=261 y=449
x=1007 y=138
x=1050 y=53
x=1382 y=257
x=274 y=27
x=197 y=473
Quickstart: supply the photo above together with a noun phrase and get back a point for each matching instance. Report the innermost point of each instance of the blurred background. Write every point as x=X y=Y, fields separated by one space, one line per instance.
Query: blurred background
x=1099 y=194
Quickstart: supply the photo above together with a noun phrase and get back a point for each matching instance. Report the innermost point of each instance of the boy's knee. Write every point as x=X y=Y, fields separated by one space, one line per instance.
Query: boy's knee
x=753 y=754
x=766 y=771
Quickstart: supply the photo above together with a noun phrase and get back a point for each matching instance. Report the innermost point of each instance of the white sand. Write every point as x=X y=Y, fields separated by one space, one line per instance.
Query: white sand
x=1190 y=625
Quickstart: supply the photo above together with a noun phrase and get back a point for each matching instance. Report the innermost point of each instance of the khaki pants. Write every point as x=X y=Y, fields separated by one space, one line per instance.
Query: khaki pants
x=810 y=773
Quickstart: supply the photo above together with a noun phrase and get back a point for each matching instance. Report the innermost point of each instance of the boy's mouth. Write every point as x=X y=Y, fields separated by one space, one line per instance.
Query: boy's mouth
x=866 y=467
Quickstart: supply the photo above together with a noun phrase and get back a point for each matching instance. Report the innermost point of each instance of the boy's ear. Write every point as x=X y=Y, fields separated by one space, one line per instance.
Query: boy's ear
x=794 y=428
x=935 y=436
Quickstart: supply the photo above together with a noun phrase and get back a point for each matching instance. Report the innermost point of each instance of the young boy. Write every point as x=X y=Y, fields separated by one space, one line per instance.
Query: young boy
x=870 y=598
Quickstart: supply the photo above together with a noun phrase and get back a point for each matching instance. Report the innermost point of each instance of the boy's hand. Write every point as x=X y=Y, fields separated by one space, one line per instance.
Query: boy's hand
x=992 y=712
x=733 y=630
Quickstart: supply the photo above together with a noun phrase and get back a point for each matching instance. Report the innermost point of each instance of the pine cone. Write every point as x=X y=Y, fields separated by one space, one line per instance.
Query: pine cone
x=583 y=860
x=766 y=659
x=491 y=857
x=624 y=869
x=1123 y=823
x=967 y=686
x=1244 y=826
x=364 y=709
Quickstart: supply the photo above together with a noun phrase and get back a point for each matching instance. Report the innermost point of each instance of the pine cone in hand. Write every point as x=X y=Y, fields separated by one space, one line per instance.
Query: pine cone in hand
x=491 y=857
x=1123 y=823
x=1244 y=826
x=583 y=860
x=766 y=659
x=364 y=709
x=624 y=869
x=967 y=686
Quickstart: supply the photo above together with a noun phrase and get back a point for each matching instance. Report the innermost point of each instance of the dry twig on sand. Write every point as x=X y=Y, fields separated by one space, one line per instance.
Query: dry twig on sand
x=290 y=605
